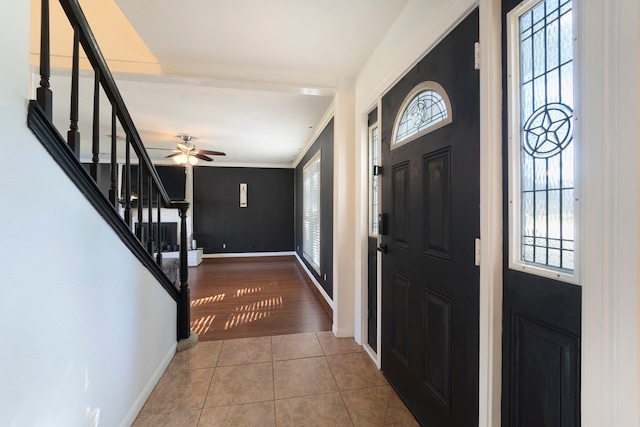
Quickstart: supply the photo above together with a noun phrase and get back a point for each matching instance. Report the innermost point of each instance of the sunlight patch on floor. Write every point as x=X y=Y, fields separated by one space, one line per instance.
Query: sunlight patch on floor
x=247 y=291
x=249 y=313
x=202 y=325
x=271 y=303
x=207 y=300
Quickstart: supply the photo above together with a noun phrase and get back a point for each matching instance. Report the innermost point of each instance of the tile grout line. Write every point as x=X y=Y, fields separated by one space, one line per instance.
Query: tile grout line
x=215 y=366
x=339 y=391
x=204 y=403
x=273 y=385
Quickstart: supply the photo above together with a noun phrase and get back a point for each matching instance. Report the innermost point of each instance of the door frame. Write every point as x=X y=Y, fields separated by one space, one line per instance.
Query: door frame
x=490 y=322
x=610 y=377
x=491 y=214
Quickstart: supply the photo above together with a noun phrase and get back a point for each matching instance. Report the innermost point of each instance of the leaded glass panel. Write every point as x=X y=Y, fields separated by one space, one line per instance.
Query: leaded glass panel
x=427 y=108
x=375 y=180
x=546 y=134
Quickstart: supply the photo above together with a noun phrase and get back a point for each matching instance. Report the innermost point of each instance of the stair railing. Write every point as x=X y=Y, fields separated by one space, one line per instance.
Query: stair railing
x=117 y=209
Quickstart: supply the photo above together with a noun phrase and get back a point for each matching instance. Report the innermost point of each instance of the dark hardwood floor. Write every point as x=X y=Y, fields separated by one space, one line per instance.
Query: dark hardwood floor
x=252 y=297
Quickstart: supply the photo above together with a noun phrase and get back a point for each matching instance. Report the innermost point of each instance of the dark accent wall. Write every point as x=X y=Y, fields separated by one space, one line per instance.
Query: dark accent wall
x=173 y=179
x=265 y=225
x=325 y=144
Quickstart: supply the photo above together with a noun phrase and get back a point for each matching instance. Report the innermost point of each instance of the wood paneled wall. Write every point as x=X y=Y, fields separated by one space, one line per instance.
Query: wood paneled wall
x=267 y=223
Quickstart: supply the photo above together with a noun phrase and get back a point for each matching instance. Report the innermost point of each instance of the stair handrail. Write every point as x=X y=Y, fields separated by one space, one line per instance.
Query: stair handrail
x=40 y=121
x=96 y=58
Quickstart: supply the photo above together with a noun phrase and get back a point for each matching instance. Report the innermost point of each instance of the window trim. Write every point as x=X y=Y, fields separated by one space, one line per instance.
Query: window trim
x=514 y=155
x=317 y=158
x=421 y=87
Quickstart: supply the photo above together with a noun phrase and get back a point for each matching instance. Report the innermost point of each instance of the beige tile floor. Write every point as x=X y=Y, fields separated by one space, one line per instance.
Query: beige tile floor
x=311 y=379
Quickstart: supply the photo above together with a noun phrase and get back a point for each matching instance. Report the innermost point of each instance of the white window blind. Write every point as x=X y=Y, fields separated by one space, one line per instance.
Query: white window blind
x=311 y=212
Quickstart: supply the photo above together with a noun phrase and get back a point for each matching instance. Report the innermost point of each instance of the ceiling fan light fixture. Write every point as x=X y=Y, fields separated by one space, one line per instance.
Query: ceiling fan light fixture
x=186 y=152
x=182 y=159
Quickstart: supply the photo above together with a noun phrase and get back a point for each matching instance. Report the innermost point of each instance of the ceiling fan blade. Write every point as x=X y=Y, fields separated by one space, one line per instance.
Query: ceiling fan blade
x=158 y=148
x=173 y=155
x=202 y=157
x=213 y=153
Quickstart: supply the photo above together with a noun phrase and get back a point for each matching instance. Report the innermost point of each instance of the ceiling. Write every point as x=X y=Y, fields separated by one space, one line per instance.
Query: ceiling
x=252 y=78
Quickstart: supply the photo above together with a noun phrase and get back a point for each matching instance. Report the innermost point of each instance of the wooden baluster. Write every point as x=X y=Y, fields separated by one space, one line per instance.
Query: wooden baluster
x=140 y=199
x=43 y=93
x=150 y=212
x=95 y=146
x=127 y=182
x=159 y=231
x=73 y=135
x=113 y=191
x=184 y=299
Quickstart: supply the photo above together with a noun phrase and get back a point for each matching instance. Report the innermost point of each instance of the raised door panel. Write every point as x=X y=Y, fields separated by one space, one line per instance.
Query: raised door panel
x=437 y=345
x=437 y=199
x=401 y=205
x=544 y=378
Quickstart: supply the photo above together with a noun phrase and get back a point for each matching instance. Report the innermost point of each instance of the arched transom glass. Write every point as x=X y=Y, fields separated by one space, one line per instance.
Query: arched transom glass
x=425 y=109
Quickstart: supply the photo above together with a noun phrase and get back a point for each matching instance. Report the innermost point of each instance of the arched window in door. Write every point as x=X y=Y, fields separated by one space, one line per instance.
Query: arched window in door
x=425 y=109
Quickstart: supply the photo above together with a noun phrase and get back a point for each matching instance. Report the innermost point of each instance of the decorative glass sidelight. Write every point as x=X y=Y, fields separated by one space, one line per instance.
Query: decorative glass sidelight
x=374 y=178
x=545 y=132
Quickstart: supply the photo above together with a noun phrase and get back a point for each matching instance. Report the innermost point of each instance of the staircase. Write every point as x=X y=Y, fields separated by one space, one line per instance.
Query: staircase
x=116 y=209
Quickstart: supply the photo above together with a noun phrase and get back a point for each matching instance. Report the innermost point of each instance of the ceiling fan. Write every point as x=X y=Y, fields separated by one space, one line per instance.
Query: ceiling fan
x=188 y=153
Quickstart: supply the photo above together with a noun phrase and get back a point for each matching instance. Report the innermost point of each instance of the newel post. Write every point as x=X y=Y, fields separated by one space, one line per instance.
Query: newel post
x=184 y=301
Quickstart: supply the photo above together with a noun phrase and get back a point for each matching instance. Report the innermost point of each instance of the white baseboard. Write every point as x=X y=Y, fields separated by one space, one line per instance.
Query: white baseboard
x=315 y=282
x=146 y=392
x=248 y=254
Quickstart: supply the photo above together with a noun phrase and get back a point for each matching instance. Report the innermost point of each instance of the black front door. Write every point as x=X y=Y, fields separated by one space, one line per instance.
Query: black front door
x=431 y=194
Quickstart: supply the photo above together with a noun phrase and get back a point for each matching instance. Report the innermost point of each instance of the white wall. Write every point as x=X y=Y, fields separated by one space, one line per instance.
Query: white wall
x=608 y=47
x=80 y=342
x=344 y=231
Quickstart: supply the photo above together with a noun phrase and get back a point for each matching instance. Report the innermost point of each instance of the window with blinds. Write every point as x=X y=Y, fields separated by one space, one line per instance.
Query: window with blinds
x=311 y=212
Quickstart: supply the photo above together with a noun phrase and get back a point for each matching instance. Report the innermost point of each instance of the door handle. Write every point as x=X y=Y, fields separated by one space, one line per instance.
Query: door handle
x=382 y=248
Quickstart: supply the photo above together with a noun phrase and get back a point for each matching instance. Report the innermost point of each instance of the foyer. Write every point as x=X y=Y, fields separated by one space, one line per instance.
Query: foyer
x=266 y=356
x=310 y=379
x=89 y=331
